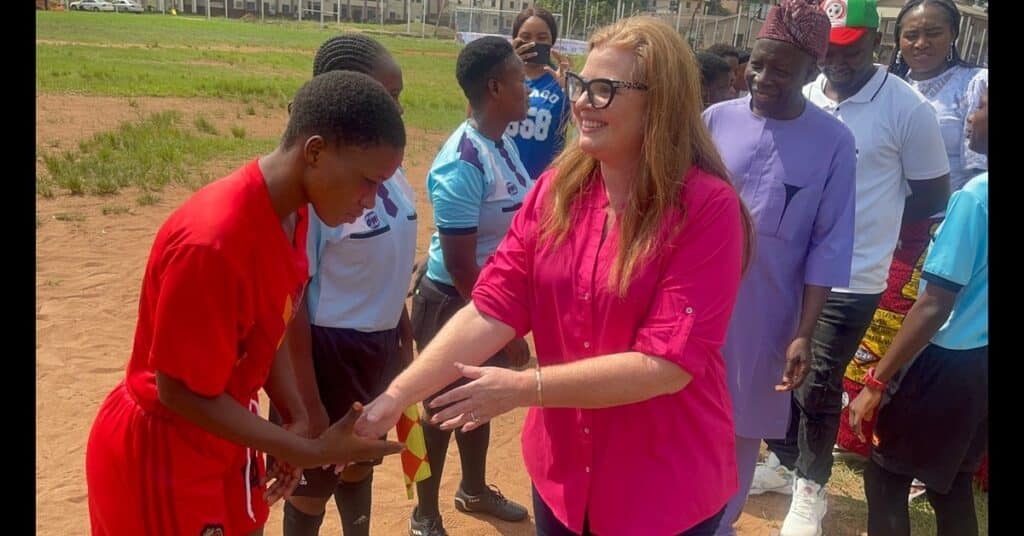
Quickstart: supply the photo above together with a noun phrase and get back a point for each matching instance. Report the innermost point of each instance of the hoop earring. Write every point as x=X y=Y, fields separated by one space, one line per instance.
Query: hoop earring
x=949 y=57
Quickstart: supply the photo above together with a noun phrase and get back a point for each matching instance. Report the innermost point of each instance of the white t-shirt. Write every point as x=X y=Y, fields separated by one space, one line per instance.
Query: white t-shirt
x=898 y=140
x=360 y=271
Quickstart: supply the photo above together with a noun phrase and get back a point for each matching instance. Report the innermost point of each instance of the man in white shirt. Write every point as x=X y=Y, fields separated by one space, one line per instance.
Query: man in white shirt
x=902 y=175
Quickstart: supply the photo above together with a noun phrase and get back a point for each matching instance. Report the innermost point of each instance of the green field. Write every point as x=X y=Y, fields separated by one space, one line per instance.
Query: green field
x=261 y=64
x=197 y=31
x=164 y=56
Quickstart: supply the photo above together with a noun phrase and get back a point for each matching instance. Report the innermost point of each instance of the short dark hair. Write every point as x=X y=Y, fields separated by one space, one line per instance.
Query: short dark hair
x=479 y=61
x=744 y=57
x=711 y=67
x=724 y=50
x=346 y=108
x=349 y=52
x=540 y=13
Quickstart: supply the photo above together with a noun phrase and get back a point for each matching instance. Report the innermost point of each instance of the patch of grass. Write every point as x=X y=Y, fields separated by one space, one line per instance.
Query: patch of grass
x=250 y=110
x=205 y=126
x=44 y=187
x=133 y=72
x=159 y=32
x=53 y=283
x=132 y=103
x=238 y=132
x=848 y=507
x=222 y=59
x=199 y=180
x=148 y=154
x=69 y=216
x=148 y=198
x=115 y=210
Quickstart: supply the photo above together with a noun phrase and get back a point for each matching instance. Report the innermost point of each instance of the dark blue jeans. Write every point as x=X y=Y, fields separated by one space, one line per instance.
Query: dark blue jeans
x=549 y=525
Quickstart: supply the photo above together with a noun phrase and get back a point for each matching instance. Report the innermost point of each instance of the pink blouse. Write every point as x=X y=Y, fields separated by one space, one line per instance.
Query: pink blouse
x=655 y=467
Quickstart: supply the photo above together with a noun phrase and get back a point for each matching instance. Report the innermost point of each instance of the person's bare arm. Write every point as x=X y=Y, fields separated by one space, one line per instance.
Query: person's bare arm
x=224 y=417
x=470 y=337
x=459 y=253
x=924 y=319
x=405 y=336
x=282 y=388
x=300 y=388
x=927 y=198
x=929 y=313
x=799 y=352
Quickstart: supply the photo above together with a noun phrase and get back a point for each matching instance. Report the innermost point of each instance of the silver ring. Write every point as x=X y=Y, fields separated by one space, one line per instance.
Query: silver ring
x=473 y=417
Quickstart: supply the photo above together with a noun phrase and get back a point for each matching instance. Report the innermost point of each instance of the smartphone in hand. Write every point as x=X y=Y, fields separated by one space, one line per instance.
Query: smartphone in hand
x=543 y=56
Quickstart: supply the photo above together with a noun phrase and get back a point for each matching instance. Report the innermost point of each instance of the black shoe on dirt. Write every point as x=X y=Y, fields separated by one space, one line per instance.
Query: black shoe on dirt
x=428 y=526
x=490 y=502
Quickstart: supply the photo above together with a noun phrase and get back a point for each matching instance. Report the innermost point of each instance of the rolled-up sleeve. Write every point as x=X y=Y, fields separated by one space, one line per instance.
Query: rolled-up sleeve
x=689 y=315
x=503 y=290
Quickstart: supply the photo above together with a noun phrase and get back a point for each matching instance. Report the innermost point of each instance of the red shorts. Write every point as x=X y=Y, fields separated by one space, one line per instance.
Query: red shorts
x=154 y=475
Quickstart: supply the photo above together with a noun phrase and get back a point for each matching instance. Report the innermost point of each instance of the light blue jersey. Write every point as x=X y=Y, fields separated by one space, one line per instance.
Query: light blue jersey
x=475 y=186
x=958 y=261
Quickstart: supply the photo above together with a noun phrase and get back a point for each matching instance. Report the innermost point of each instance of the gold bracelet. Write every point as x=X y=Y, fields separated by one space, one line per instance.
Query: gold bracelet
x=540 y=387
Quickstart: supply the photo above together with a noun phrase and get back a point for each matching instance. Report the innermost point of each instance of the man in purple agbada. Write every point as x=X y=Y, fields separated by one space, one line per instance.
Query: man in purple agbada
x=795 y=168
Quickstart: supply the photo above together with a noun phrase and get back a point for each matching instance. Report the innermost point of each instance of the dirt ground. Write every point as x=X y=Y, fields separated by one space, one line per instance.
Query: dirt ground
x=88 y=274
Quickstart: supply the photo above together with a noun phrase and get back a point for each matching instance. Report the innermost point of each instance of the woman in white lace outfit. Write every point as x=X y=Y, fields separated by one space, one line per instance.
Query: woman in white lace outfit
x=927 y=58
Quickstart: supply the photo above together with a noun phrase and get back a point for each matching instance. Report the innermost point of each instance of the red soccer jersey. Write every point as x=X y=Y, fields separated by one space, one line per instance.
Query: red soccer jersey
x=221 y=285
x=222 y=282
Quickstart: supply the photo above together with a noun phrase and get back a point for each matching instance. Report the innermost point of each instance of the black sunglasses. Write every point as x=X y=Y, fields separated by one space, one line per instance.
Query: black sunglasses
x=600 y=91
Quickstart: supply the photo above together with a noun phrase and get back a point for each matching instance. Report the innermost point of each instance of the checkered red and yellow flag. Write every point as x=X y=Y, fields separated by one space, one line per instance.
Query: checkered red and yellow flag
x=415 y=467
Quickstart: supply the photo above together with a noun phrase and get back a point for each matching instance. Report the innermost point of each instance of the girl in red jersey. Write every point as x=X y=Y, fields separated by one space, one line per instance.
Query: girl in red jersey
x=175 y=447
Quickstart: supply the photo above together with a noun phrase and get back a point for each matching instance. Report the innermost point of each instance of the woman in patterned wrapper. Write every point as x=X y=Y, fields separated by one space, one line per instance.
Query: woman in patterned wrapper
x=926 y=57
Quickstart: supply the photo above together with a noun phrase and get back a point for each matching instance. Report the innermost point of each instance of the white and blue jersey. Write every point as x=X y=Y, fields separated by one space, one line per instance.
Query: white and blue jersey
x=360 y=271
x=475 y=186
x=540 y=136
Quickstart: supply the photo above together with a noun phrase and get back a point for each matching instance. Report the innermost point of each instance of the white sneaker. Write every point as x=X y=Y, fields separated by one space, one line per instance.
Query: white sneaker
x=806 y=511
x=772 y=477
